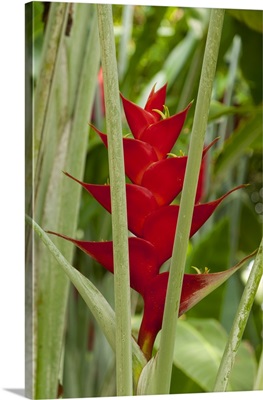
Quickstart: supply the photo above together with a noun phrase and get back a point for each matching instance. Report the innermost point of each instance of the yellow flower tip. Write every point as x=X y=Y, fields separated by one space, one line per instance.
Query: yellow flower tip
x=165 y=114
x=166 y=111
x=159 y=112
x=197 y=270
x=206 y=270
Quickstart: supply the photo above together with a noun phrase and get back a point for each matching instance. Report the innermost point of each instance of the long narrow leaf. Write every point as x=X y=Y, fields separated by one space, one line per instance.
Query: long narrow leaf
x=96 y=302
x=52 y=45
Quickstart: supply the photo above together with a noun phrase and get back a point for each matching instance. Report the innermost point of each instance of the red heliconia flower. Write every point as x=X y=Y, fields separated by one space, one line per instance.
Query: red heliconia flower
x=156 y=180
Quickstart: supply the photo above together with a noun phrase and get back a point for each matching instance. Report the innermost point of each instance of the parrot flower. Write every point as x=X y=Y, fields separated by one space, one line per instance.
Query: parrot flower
x=156 y=179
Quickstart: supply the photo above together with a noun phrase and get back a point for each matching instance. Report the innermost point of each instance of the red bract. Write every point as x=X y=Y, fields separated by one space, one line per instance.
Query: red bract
x=142 y=257
x=140 y=202
x=156 y=101
x=139 y=118
x=156 y=180
x=164 y=220
x=195 y=288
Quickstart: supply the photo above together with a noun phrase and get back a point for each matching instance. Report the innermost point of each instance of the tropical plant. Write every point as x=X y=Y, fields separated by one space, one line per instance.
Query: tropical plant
x=165 y=198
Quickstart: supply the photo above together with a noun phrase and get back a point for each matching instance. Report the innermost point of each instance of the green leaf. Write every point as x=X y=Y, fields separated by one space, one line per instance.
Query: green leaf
x=250 y=229
x=196 y=354
x=199 y=346
x=252 y=51
x=251 y=18
x=259 y=379
x=144 y=41
x=245 y=368
x=181 y=383
x=198 y=350
x=206 y=252
x=239 y=143
x=218 y=110
x=147 y=378
x=173 y=65
x=97 y=304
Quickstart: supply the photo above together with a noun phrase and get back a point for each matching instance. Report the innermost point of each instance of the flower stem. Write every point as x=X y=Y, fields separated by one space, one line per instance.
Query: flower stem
x=239 y=323
x=164 y=358
x=118 y=202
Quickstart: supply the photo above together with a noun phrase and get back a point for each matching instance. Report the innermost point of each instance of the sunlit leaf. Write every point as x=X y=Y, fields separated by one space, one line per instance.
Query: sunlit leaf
x=199 y=346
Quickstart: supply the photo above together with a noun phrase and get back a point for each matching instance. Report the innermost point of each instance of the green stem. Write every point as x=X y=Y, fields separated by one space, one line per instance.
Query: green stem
x=118 y=203
x=165 y=355
x=239 y=323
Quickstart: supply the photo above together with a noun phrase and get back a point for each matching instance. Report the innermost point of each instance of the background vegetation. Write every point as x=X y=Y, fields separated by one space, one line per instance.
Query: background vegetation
x=154 y=45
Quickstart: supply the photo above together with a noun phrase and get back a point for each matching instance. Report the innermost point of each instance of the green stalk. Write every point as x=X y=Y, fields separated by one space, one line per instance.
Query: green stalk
x=164 y=359
x=239 y=323
x=118 y=203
